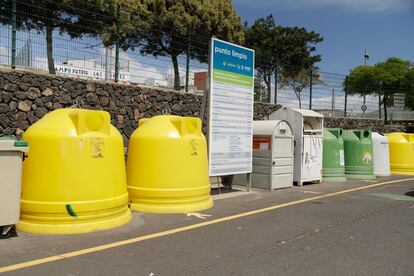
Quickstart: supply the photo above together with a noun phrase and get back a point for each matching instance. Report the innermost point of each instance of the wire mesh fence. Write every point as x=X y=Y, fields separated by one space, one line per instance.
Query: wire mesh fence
x=33 y=40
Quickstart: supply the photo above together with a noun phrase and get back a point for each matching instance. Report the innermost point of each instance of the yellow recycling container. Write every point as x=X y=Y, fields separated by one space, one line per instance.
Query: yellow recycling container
x=167 y=168
x=401 y=153
x=74 y=180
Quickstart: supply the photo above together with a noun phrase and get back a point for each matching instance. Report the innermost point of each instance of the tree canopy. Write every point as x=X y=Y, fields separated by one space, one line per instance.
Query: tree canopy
x=385 y=79
x=363 y=80
x=174 y=27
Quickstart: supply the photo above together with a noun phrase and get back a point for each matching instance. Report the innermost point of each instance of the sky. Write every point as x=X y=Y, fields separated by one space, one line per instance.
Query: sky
x=384 y=27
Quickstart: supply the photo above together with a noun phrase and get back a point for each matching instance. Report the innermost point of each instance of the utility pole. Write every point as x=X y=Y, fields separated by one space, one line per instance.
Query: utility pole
x=346 y=94
x=276 y=73
x=118 y=23
x=310 y=87
x=14 y=30
x=379 y=100
x=333 y=103
x=187 y=66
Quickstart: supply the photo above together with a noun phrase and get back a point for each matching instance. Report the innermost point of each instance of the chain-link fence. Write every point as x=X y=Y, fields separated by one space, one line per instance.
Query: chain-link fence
x=326 y=95
x=31 y=38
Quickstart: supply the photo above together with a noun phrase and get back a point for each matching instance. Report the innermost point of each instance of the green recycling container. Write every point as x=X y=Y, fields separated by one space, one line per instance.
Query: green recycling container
x=358 y=154
x=333 y=163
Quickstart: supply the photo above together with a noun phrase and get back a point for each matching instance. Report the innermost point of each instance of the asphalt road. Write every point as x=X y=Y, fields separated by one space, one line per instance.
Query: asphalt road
x=362 y=232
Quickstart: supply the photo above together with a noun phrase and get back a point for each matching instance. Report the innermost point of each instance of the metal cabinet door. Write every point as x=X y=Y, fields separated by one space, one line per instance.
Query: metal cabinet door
x=312 y=158
x=282 y=162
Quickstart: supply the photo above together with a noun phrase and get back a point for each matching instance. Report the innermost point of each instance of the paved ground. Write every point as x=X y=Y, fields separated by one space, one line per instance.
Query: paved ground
x=357 y=232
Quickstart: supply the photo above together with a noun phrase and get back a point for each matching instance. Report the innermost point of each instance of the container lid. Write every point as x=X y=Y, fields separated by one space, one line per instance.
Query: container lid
x=307 y=113
x=8 y=143
x=379 y=136
x=268 y=127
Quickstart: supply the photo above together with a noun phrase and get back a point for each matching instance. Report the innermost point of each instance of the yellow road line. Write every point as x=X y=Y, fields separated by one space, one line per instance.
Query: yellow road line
x=185 y=228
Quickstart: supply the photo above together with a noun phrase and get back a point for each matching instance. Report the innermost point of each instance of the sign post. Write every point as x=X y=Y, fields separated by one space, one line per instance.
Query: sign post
x=230 y=109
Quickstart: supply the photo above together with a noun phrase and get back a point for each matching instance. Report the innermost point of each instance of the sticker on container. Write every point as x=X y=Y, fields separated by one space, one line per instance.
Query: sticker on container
x=341 y=158
x=97 y=144
x=261 y=142
x=367 y=157
x=193 y=147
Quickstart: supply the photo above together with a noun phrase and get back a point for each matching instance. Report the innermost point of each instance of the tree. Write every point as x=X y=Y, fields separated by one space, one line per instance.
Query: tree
x=98 y=18
x=363 y=80
x=263 y=36
x=299 y=81
x=285 y=49
x=384 y=79
x=170 y=28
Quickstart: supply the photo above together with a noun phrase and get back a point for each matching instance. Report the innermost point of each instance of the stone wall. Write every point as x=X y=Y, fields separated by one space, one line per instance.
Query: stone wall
x=401 y=125
x=25 y=97
x=355 y=123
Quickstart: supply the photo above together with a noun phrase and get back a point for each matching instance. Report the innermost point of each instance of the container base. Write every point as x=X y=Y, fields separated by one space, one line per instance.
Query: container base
x=384 y=174
x=361 y=176
x=75 y=227
x=334 y=179
x=402 y=173
x=171 y=209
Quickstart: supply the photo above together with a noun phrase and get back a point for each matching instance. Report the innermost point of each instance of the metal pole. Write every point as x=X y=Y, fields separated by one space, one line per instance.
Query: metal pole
x=29 y=52
x=187 y=66
x=14 y=30
x=117 y=43
x=346 y=94
x=333 y=103
x=363 y=111
x=310 y=88
x=276 y=71
x=108 y=68
x=366 y=57
x=379 y=106
x=249 y=182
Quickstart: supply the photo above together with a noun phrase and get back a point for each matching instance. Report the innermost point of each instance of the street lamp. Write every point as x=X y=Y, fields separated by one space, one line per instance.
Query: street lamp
x=366 y=57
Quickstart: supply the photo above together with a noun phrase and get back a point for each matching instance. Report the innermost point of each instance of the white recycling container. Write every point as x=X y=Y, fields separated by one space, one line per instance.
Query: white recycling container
x=381 y=154
x=272 y=156
x=307 y=126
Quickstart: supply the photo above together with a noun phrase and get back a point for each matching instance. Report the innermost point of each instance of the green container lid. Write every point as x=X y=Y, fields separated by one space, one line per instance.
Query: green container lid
x=21 y=144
